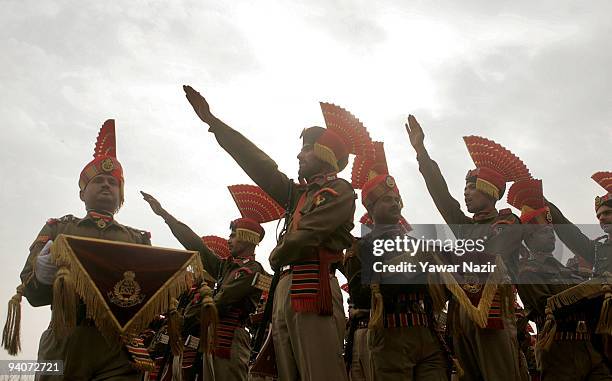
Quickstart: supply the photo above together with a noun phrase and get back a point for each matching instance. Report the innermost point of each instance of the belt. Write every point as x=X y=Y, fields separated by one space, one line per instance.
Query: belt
x=285 y=270
x=363 y=323
x=572 y=336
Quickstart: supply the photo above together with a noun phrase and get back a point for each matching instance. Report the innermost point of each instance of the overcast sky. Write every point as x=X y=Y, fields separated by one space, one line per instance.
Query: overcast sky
x=533 y=76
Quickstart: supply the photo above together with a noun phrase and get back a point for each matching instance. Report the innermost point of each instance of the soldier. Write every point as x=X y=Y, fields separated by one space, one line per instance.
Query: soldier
x=308 y=319
x=485 y=185
x=542 y=276
x=234 y=296
x=596 y=251
x=86 y=354
x=405 y=345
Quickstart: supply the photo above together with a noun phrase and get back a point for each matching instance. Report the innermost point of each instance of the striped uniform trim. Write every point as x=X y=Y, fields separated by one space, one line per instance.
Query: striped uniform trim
x=189 y=357
x=225 y=333
x=154 y=374
x=572 y=336
x=305 y=286
x=412 y=311
x=405 y=319
x=140 y=355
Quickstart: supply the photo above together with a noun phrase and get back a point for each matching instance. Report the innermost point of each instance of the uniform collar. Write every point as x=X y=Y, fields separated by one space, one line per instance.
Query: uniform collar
x=101 y=220
x=321 y=179
x=243 y=260
x=485 y=216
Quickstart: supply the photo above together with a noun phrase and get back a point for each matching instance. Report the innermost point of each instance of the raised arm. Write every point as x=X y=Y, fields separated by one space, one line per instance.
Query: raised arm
x=187 y=237
x=256 y=163
x=571 y=236
x=448 y=207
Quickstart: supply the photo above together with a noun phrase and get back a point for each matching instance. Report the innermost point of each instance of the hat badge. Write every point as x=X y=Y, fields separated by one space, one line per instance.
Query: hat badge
x=107 y=165
x=390 y=182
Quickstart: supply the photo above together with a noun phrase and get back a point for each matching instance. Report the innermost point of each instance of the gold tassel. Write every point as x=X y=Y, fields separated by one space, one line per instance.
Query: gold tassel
x=174 y=328
x=437 y=291
x=208 y=320
x=63 y=316
x=604 y=326
x=11 y=335
x=327 y=155
x=177 y=367
x=547 y=336
x=458 y=368
x=376 y=314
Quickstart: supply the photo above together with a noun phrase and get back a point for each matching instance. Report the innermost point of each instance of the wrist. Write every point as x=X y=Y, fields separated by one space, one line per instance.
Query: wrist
x=420 y=150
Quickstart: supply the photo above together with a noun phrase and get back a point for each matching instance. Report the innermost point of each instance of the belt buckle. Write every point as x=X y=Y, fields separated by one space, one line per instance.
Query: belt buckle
x=285 y=268
x=164 y=339
x=192 y=342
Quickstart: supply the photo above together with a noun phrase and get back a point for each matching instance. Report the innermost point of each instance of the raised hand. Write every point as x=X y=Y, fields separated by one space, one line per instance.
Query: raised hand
x=415 y=133
x=154 y=204
x=199 y=104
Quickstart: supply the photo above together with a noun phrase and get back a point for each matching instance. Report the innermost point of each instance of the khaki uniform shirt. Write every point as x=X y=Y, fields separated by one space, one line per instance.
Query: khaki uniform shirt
x=326 y=215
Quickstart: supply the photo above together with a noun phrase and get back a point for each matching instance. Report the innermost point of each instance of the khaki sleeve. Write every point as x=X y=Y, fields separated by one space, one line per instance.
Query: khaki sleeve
x=37 y=294
x=448 y=207
x=318 y=224
x=256 y=163
x=533 y=292
x=571 y=236
x=238 y=286
x=191 y=241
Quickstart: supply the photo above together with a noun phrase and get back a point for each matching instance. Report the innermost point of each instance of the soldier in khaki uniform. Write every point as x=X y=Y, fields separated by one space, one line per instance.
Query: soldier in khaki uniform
x=542 y=276
x=503 y=235
x=86 y=354
x=308 y=319
x=405 y=345
x=235 y=297
x=597 y=251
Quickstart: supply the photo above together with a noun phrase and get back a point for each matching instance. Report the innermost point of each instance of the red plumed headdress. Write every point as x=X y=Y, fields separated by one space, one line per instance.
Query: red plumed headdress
x=605 y=180
x=218 y=245
x=105 y=158
x=256 y=208
x=495 y=166
x=527 y=195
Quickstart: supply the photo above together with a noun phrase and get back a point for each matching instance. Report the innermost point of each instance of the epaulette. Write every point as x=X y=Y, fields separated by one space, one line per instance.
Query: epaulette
x=327 y=190
x=342 y=180
x=143 y=233
x=63 y=220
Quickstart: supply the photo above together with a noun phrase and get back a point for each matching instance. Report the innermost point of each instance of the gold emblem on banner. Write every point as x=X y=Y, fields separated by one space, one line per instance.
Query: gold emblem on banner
x=126 y=292
x=107 y=165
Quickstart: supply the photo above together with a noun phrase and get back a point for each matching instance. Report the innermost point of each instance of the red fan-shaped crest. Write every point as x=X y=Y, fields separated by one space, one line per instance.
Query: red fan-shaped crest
x=105 y=143
x=604 y=179
x=348 y=127
x=526 y=192
x=254 y=203
x=487 y=153
x=366 y=167
x=218 y=245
